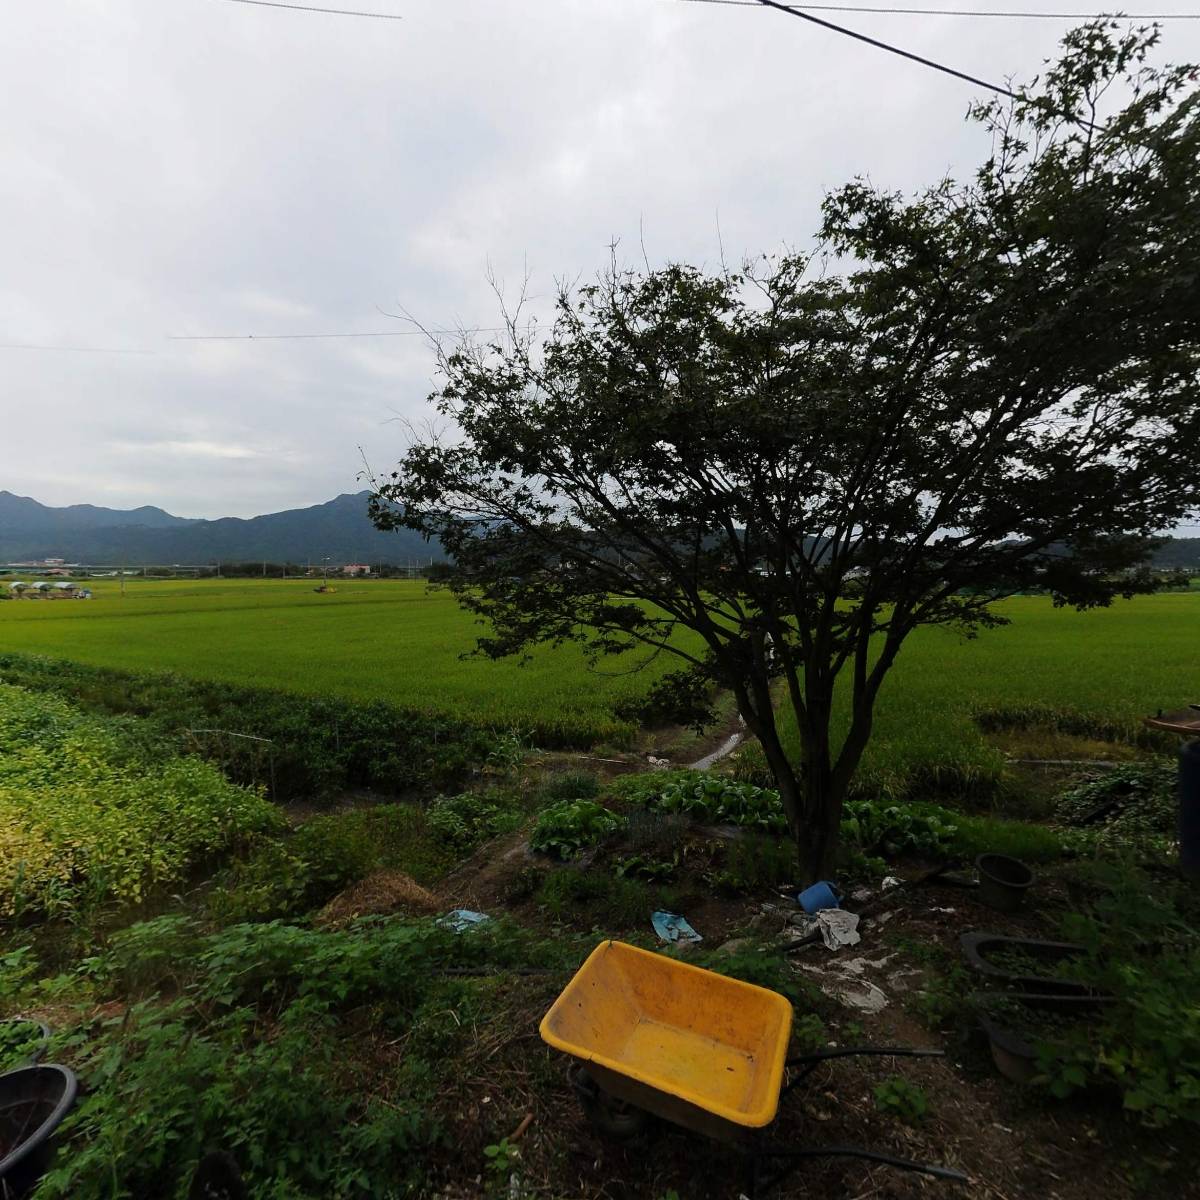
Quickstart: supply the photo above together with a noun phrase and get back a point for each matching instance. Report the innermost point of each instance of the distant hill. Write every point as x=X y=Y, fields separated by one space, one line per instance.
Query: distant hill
x=338 y=529
x=1182 y=553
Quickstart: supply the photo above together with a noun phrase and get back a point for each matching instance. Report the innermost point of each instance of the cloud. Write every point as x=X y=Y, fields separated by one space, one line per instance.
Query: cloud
x=198 y=167
x=189 y=449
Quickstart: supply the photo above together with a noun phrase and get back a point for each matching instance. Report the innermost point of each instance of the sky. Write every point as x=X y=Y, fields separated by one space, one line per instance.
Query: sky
x=184 y=168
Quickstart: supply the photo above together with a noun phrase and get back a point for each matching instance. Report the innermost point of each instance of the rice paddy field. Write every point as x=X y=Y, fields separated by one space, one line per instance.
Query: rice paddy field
x=397 y=640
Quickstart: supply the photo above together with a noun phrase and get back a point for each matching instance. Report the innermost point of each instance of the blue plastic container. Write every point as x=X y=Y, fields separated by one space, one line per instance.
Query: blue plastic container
x=820 y=895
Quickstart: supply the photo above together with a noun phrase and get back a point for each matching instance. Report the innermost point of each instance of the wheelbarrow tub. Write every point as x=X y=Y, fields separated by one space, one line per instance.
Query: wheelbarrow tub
x=691 y=1046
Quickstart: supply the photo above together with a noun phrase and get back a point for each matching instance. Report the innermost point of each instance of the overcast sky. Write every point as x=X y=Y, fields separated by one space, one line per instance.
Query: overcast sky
x=187 y=167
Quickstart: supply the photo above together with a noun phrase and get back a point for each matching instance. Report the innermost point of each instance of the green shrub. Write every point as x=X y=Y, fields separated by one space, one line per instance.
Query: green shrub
x=591 y=898
x=757 y=861
x=565 y=828
x=715 y=799
x=314 y=747
x=645 y=866
x=975 y=835
x=90 y=812
x=148 y=955
x=678 y=698
x=1134 y=802
x=1142 y=947
x=874 y=826
x=465 y=820
x=19 y=1042
x=160 y=1090
x=570 y=785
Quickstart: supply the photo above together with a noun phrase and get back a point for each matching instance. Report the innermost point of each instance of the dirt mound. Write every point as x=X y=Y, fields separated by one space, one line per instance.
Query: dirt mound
x=380 y=892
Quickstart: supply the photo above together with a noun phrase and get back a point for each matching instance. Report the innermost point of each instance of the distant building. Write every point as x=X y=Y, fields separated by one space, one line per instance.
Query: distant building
x=356 y=569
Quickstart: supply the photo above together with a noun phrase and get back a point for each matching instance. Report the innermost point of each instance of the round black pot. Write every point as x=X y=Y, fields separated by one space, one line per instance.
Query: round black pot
x=33 y=1103
x=1003 y=881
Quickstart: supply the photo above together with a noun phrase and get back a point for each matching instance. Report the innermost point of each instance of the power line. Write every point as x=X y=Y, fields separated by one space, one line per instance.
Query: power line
x=962 y=12
x=70 y=349
x=339 y=12
x=287 y=337
x=917 y=58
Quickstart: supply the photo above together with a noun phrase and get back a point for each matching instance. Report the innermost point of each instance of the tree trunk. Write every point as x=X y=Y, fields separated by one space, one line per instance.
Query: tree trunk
x=822 y=820
x=811 y=798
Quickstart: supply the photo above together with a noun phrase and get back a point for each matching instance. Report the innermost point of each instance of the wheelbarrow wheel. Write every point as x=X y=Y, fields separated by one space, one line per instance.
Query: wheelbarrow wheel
x=614 y=1119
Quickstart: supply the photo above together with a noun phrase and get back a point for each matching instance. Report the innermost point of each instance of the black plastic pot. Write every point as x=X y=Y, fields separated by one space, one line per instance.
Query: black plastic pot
x=1012 y=1052
x=978 y=944
x=33 y=1103
x=1003 y=881
x=39 y=1036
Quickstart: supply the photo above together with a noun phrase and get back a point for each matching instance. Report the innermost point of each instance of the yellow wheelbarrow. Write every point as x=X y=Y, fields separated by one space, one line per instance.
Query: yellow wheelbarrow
x=653 y=1036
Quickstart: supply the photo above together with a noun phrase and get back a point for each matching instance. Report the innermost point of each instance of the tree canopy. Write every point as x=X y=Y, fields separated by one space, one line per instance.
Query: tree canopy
x=987 y=387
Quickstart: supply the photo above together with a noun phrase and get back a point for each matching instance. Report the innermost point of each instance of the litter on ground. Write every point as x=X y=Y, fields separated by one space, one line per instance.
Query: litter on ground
x=462 y=919
x=673 y=928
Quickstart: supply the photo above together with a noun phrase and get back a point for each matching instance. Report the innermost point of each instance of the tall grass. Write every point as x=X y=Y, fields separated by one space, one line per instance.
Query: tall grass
x=1094 y=674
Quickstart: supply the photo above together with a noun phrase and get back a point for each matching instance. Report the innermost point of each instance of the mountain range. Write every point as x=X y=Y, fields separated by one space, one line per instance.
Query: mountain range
x=339 y=530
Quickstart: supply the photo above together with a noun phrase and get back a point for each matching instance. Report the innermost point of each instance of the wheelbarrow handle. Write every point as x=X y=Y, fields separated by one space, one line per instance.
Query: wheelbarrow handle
x=794 y=1157
x=810 y=1062
x=851 y=1051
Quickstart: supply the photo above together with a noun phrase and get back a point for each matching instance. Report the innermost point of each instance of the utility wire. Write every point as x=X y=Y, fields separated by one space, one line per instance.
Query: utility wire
x=917 y=58
x=286 y=337
x=963 y=12
x=70 y=349
x=340 y=12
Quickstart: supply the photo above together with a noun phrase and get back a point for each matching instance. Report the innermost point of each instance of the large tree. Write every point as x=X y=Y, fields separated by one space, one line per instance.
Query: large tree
x=989 y=387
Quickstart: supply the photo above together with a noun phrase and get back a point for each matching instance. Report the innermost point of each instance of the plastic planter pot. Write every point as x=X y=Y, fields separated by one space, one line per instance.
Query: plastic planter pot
x=978 y=944
x=1003 y=881
x=1001 y=1019
x=33 y=1103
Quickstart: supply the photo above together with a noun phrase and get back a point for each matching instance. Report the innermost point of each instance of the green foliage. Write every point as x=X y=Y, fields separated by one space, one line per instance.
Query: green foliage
x=756 y=861
x=597 y=898
x=18 y=968
x=678 y=698
x=281 y=877
x=501 y=1158
x=902 y=1098
x=645 y=866
x=715 y=799
x=149 y=955
x=1134 y=802
x=91 y=814
x=570 y=785
x=1141 y=947
x=764 y=966
x=19 y=1040
x=314 y=746
x=161 y=1089
x=1031 y=843
x=875 y=827
x=465 y=820
x=565 y=828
